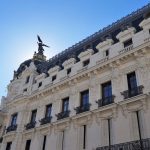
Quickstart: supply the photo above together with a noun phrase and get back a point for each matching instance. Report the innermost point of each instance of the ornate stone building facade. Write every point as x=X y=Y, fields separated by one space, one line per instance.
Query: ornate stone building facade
x=94 y=95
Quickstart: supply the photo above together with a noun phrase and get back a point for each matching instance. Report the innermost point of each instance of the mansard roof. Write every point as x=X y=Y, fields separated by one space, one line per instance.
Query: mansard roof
x=92 y=41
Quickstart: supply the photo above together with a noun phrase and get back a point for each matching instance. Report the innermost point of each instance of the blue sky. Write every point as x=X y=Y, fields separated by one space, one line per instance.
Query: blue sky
x=60 y=23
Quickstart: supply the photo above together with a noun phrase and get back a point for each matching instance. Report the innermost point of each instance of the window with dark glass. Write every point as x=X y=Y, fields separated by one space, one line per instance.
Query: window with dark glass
x=84 y=136
x=68 y=71
x=28 y=143
x=25 y=90
x=53 y=77
x=132 y=83
x=84 y=98
x=8 y=146
x=44 y=143
x=14 y=119
x=27 y=79
x=33 y=116
x=106 y=90
x=65 y=104
x=107 y=52
x=40 y=84
x=86 y=62
x=48 y=111
x=128 y=43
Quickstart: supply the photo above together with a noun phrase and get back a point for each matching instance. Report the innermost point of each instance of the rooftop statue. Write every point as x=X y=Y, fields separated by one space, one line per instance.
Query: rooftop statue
x=40 y=44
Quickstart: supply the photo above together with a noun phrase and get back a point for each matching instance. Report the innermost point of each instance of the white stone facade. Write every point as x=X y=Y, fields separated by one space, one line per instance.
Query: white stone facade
x=68 y=133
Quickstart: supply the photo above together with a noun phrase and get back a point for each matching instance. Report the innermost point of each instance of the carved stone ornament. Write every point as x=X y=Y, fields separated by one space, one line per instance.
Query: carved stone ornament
x=104 y=45
x=82 y=119
x=145 y=24
x=9 y=136
x=86 y=54
x=106 y=113
x=45 y=129
x=68 y=63
x=53 y=70
x=126 y=34
x=61 y=125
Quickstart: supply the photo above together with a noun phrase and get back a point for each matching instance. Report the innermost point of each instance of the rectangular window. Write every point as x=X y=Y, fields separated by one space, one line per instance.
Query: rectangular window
x=44 y=143
x=109 y=131
x=14 y=119
x=84 y=98
x=106 y=53
x=33 y=116
x=25 y=90
x=86 y=62
x=28 y=143
x=106 y=90
x=8 y=146
x=128 y=43
x=27 y=79
x=65 y=104
x=53 y=78
x=84 y=136
x=140 y=125
x=40 y=84
x=68 y=71
x=132 y=83
x=48 y=111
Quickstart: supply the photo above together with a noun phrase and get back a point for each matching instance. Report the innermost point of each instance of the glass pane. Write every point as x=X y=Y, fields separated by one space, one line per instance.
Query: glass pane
x=106 y=90
x=48 y=110
x=84 y=98
x=65 y=104
x=33 y=117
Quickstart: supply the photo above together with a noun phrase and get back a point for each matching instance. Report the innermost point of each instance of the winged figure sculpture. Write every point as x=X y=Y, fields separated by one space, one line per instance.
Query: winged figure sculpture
x=41 y=45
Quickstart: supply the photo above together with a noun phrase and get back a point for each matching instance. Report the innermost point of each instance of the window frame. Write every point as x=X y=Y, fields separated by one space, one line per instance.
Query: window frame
x=82 y=98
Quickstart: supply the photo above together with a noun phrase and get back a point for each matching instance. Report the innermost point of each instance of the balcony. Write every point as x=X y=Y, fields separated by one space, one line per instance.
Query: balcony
x=11 y=128
x=30 y=125
x=105 y=101
x=83 y=108
x=45 y=120
x=63 y=115
x=133 y=92
x=126 y=49
x=134 y=145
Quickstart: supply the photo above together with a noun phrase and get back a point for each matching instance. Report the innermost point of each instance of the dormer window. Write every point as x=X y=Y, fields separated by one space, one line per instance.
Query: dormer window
x=27 y=79
x=53 y=78
x=68 y=71
x=128 y=43
x=40 y=84
x=86 y=62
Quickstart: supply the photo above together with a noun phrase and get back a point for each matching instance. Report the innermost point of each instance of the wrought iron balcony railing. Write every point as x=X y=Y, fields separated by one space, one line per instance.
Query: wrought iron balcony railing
x=63 y=115
x=83 y=108
x=133 y=92
x=11 y=128
x=105 y=101
x=30 y=125
x=45 y=120
x=143 y=144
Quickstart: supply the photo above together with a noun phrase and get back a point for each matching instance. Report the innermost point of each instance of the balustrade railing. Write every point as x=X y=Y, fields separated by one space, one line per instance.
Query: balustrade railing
x=143 y=144
x=63 y=115
x=133 y=92
x=105 y=101
x=82 y=108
